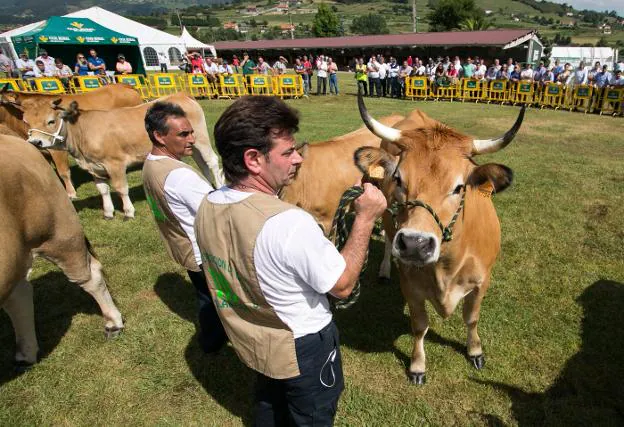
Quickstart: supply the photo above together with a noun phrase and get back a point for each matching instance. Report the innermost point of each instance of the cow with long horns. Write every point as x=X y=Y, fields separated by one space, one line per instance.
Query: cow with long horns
x=445 y=232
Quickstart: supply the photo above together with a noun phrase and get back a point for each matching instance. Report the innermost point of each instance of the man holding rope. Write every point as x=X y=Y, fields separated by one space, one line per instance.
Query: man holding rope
x=270 y=267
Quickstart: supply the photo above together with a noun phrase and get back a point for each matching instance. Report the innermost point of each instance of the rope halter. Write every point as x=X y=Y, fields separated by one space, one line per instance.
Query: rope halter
x=56 y=136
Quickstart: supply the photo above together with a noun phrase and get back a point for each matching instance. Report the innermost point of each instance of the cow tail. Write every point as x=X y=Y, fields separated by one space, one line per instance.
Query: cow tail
x=90 y=249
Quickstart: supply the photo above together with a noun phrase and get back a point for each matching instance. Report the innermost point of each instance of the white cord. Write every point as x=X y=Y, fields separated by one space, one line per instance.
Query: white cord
x=330 y=359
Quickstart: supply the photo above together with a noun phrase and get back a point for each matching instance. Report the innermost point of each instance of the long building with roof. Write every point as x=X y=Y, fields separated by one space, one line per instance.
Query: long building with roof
x=521 y=44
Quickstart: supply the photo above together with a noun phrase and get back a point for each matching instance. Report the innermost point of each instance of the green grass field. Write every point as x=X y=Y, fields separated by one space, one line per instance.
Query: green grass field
x=552 y=323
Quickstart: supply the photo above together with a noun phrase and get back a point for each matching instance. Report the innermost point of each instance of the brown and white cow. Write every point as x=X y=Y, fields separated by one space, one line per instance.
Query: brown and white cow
x=18 y=109
x=105 y=143
x=429 y=173
x=39 y=220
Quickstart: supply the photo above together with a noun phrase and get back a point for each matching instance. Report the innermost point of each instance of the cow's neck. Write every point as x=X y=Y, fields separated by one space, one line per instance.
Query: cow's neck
x=12 y=121
x=74 y=136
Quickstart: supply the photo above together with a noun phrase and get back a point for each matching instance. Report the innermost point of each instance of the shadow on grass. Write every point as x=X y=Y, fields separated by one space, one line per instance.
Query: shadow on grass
x=590 y=389
x=222 y=375
x=136 y=194
x=56 y=300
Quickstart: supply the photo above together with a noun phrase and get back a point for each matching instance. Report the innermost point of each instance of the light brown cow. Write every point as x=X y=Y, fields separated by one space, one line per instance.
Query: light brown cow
x=18 y=109
x=328 y=171
x=429 y=175
x=39 y=220
x=105 y=143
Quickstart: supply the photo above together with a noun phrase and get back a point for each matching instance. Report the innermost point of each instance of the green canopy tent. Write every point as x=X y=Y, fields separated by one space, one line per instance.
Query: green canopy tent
x=66 y=37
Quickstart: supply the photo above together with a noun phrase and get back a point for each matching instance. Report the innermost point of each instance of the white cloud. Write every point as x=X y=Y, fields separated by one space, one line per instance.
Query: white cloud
x=599 y=5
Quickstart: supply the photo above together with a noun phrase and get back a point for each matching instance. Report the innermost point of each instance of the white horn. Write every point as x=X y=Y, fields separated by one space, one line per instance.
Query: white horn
x=384 y=132
x=484 y=146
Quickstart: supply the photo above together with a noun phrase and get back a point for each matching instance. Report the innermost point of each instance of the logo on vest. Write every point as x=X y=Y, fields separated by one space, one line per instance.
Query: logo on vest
x=158 y=214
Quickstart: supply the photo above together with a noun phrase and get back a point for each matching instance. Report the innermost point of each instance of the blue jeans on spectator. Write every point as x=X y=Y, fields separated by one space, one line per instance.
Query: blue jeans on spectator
x=211 y=333
x=333 y=83
x=374 y=86
x=306 y=84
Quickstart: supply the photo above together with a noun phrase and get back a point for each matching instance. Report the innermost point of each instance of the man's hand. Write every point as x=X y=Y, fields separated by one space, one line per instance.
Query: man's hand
x=371 y=204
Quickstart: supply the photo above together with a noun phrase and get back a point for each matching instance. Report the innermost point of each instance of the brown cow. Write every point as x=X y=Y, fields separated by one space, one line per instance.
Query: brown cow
x=105 y=143
x=18 y=109
x=430 y=177
x=328 y=171
x=39 y=220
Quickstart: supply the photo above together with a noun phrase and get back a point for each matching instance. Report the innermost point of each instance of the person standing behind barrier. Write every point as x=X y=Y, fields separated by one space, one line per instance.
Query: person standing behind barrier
x=235 y=64
x=96 y=64
x=361 y=76
x=162 y=61
x=212 y=70
x=404 y=73
x=468 y=69
x=225 y=69
x=393 y=76
x=578 y=77
x=25 y=66
x=515 y=75
x=262 y=67
x=41 y=70
x=122 y=66
x=279 y=67
x=503 y=74
x=275 y=267
x=6 y=65
x=373 y=77
x=81 y=68
x=300 y=71
x=383 y=76
x=527 y=73
x=47 y=60
x=332 y=69
x=174 y=192
x=63 y=72
x=321 y=75
x=307 y=76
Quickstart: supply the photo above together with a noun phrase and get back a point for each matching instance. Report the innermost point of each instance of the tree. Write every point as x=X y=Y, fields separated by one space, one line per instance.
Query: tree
x=370 y=24
x=475 y=23
x=448 y=14
x=603 y=42
x=325 y=23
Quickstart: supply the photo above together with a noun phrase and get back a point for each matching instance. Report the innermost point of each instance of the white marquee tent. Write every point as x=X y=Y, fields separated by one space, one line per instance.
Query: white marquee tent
x=151 y=40
x=192 y=43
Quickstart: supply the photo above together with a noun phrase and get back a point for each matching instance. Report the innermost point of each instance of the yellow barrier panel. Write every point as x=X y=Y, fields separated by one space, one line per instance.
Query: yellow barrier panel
x=260 y=84
x=581 y=98
x=613 y=101
x=231 y=86
x=446 y=90
x=137 y=81
x=417 y=87
x=81 y=84
x=48 y=85
x=472 y=90
x=497 y=91
x=197 y=85
x=522 y=92
x=16 y=85
x=289 y=86
x=553 y=95
x=163 y=84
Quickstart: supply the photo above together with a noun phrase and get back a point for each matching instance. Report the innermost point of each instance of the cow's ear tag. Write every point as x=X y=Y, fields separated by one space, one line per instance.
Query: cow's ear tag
x=376 y=172
x=486 y=189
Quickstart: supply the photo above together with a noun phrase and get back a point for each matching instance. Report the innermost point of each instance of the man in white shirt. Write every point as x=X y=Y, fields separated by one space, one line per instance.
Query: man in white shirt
x=48 y=61
x=174 y=192
x=383 y=76
x=41 y=70
x=273 y=266
x=25 y=66
x=373 y=76
x=280 y=66
x=579 y=76
x=162 y=61
x=481 y=70
x=321 y=75
x=393 y=76
x=211 y=70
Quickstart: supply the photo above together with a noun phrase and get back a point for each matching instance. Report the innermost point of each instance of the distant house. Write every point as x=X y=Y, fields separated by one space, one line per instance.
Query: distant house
x=252 y=9
x=605 y=28
x=287 y=28
x=488 y=12
x=230 y=26
x=516 y=19
x=569 y=14
x=283 y=7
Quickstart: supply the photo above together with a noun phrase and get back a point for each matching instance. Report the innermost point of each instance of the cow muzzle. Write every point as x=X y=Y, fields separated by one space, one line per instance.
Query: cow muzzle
x=416 y=247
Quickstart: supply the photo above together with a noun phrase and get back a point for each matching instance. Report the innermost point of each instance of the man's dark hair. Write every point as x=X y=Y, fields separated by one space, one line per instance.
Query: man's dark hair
x=250 y=122
x=156 y=118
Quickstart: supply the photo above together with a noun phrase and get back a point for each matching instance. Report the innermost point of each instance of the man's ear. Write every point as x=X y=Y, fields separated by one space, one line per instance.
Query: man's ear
x=492 y=177
x=302 y=149
x=375 y=163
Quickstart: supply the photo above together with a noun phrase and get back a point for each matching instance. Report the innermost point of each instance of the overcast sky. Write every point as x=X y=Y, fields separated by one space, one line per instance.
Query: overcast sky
x=599 y=5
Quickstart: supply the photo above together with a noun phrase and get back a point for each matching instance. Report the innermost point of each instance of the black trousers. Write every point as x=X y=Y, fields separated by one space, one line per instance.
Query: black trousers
x=163 y=68
x=384 y=86
x=211 y=333
x=311 y=399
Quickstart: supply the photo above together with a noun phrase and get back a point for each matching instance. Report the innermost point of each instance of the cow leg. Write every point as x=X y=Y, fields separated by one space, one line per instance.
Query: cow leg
x=120 y=185
x=96 y=287
x=208 y=162
x=20 y=308
x=420 y=325
x=61 y=161
x=107 y=201
x=471 y=311
x=385 y=269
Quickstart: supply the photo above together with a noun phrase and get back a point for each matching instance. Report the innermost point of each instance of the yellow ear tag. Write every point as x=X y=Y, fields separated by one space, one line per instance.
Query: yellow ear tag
x=486 y=189
x=376 y=172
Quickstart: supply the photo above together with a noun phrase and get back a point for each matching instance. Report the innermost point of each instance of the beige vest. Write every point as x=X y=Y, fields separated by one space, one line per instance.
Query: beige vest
x=176 y=240
x=226 y=234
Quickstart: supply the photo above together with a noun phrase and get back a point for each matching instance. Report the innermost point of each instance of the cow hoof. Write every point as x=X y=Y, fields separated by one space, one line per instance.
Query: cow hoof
x=21 y=366
x=128 y=218
x=384 y=280
x=417 y=378
x=111 y=333
x=109 y=218
x=478 y=361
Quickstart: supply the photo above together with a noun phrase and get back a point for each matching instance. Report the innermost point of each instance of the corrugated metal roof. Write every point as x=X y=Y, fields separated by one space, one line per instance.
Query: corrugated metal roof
x=452 y=38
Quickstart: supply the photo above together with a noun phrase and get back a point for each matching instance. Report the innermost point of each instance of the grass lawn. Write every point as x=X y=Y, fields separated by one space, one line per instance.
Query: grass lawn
x=552 y=323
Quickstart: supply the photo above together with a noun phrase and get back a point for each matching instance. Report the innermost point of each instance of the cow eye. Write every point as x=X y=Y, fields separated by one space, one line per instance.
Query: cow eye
x=51 y=122
x=458 y=189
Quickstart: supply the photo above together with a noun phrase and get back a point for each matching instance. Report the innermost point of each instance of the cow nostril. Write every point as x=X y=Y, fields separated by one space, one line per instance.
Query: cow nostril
x=401 y=245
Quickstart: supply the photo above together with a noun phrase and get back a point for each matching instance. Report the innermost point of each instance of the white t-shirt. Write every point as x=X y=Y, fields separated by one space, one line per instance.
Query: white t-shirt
x=322 y=69
x=295 y=264
x=383 y=70
x=373 y=67
x=184 y=192
x=212 y=68
x=48 y=62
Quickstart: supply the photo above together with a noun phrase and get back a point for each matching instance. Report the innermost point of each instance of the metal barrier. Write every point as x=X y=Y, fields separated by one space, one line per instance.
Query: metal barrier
x=497 y=91
x=472 y=90
x=447 y=90
x=612 y=101
x=51 y=85
x=581 y=99
x=232 y=86
x=137 y=81
x=553 y=95
x=197 y=85
x=288 y=86
x=522 y=92
x=80 y=84
x=417 y=87
x=260 y=84
x=16 y=85
x=163 y=84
